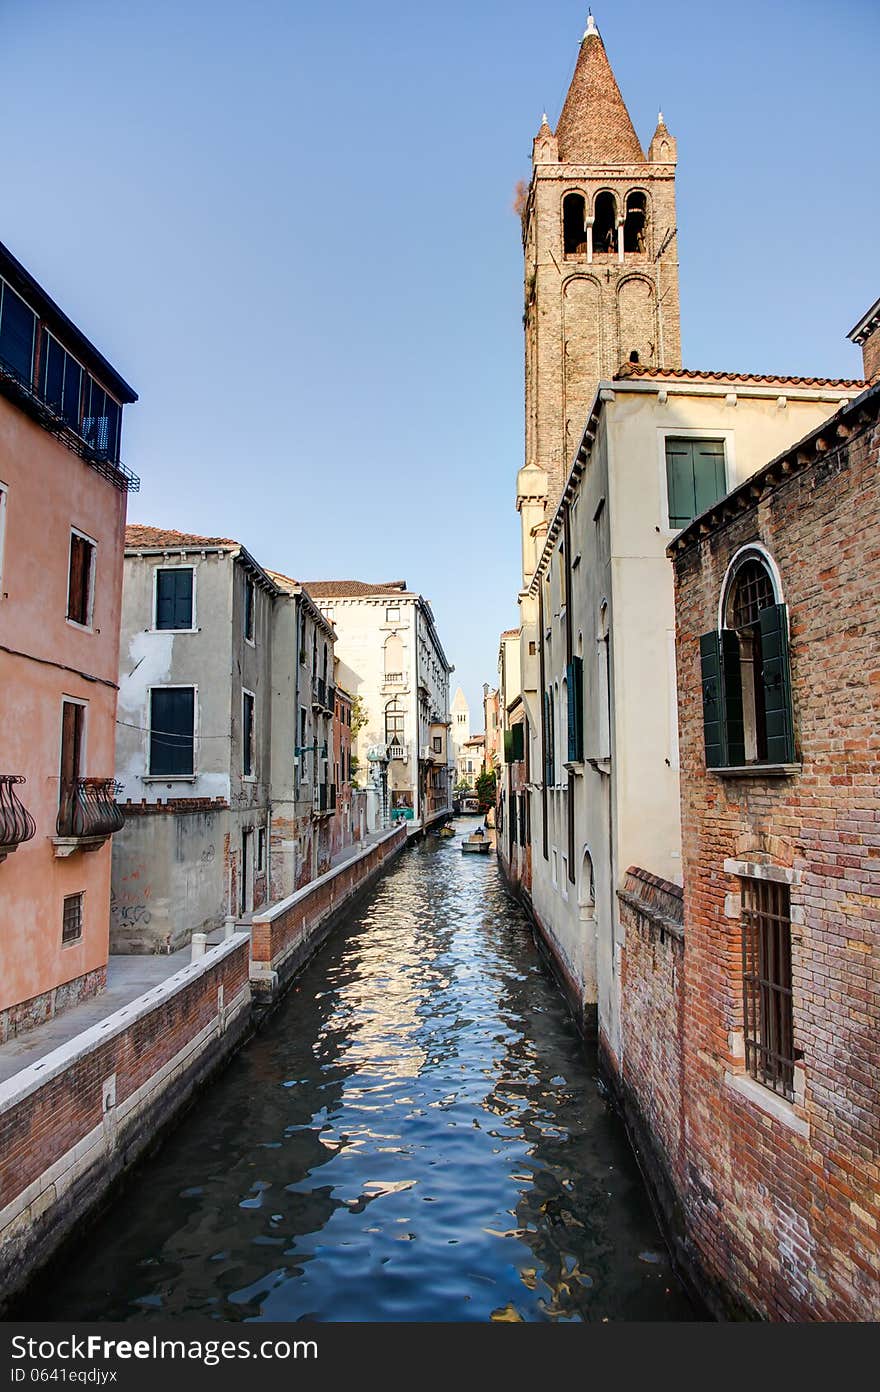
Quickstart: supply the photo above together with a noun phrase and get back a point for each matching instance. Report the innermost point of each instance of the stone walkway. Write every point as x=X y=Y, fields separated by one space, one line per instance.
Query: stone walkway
x=128 y=977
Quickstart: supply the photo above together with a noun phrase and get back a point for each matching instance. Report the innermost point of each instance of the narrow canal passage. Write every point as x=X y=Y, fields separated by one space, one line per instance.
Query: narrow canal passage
x=417 y=1134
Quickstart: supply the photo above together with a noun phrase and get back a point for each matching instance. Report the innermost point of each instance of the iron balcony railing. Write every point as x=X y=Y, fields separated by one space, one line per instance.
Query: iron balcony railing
x=325 y=797
x=35 y=402
x=323 y=695
x=88 y=807
x=16 y=822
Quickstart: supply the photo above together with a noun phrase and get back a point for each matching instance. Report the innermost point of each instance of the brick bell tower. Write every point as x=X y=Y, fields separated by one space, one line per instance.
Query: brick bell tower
x=601 y=271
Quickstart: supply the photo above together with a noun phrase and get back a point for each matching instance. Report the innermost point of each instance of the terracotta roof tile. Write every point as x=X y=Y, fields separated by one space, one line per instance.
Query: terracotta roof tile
x=635 y=372
x=152 y=538
x=595 y=126
x=510 y=633
x=351 y=589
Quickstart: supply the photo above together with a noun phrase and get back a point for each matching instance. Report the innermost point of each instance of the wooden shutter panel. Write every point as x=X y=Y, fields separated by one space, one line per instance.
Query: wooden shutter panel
x=713 y=700
x=172 y=713
x=777 y=684
x=77 y=588
x=734 y=726
x=709 y=479
x=516 y=743
x=183 y=589
x=575 y=680
x=508 y=746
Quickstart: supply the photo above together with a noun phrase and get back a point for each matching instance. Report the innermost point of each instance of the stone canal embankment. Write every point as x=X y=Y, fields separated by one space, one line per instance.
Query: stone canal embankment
x=78 y=1116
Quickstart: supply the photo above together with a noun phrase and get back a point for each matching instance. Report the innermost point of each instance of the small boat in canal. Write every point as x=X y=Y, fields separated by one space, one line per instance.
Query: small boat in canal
x=477 y=843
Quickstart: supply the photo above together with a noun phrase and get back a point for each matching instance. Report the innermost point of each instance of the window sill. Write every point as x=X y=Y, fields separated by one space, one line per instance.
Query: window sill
x=173 y=630
x=757 y=771
x=81 y=628
x=744 y=1085
x=573 y=765
x=169 y=777
x=600 y=766
x=67 y=845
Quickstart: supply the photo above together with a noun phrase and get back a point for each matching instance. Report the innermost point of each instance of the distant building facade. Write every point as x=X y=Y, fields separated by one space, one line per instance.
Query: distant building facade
x=391 y=657
x=224 y=748
x=63 y=493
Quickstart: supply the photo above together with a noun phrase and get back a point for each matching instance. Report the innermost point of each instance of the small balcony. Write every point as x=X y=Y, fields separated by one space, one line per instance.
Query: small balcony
x=398 y=751
x=325 y=799
x=16 y=823
x=88 y=815
x=323 y=695
x=394 y=681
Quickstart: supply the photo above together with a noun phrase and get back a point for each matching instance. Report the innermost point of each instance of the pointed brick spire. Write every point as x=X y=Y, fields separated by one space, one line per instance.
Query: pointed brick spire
x=595 y=126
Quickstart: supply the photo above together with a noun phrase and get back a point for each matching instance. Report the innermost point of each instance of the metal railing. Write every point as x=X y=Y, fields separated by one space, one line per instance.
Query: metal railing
x=398 y=751
x=26 y=395
x=323 y=694
x=88 y=807
x=16 y=823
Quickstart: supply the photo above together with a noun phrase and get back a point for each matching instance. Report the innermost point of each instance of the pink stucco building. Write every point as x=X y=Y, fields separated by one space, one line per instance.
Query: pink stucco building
x=63 y=497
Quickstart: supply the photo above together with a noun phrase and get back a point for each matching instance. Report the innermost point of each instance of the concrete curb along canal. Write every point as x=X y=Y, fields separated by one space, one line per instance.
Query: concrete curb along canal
x=74 y=1122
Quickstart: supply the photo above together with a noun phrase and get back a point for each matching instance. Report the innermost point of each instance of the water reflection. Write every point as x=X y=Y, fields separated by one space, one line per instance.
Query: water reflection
x=417 y=1134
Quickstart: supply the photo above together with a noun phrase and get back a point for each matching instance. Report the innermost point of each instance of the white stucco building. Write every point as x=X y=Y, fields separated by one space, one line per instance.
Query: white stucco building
x=391 y=657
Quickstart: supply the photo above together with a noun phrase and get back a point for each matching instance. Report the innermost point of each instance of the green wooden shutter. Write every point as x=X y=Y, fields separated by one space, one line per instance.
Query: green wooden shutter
x=777 y=684
x=517 y=743
x=680 y=482
x=721 y=676
x=714 y=732
x=575 y=681
x=710 y=483
x=731 y=669
x=508 y=746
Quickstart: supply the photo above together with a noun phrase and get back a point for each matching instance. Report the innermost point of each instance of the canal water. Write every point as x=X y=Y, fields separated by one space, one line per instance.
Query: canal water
x=416 y=1134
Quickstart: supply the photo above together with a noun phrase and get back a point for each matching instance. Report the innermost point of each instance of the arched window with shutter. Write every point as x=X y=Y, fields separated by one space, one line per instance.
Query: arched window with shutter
x=747 y=702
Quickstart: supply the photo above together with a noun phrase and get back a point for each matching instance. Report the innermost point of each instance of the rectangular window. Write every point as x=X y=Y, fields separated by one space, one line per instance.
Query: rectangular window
x=247 y=734
x=303 y=761
x=695 y=478
x=72 y=919
x=62 y=381
x=767 y=994
x=392 y=614
x=172 y=731
x=18 y=325
x=80 y=579
x=101 y=420
x=249 y=605
x=174 y=598
x=437 y=744
x=73 y=715
x=261 y=850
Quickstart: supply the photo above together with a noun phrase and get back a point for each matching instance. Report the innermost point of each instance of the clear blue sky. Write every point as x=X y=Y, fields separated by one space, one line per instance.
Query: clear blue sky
x=289 y=226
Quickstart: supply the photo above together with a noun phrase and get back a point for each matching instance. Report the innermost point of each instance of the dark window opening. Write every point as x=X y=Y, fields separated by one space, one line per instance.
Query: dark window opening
x=635 y=226
x=72 y=726
x=574 y=231
x=605 y=224
x=18 y=326
x=750 y=594
x=261 y=850
x=767 y=988
x=249 y=606
x=172 y=731
x=174 y=598
x=62 y=381
x=79 y=580
x=247 y=734
x=72 y=918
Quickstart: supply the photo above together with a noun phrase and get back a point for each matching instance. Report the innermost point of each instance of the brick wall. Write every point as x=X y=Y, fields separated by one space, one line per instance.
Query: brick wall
x=285 y=934
x=72 y=1122
x=781 y=1197
x=652 y=994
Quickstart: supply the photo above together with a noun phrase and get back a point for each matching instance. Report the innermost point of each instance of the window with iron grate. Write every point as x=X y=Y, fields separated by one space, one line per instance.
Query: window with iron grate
x=72 y=919
x=767 y=990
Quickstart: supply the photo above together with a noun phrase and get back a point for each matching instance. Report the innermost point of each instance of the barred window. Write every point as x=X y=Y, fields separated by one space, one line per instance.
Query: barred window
x=72 y=918
x=767 y=993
